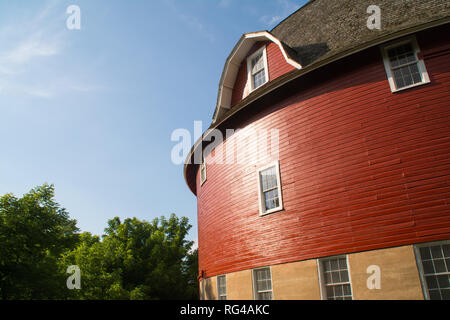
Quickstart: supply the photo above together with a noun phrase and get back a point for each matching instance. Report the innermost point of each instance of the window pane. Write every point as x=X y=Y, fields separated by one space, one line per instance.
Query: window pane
x=401 y=55
x=436 y=252
x=446 y=249
x=326 y=265
x=264 y=296
x=415 y=73
x=428 y=267
x=271 y=199
x=344 y=276
x=335 y=277
x=267 y=295
x=269 y=284
x=347 y=290
x=268 y=178
x=445 y=294
x=443 y=281
x=434 y=295
x=439 y=266
x=327 y=277
x=425 y=253
x=334 y=264
x=257 y=63
x=330 y=292
x=342 y=263
x=399 y=79
x=339 y=292
x=259 y=79
x=431 y=282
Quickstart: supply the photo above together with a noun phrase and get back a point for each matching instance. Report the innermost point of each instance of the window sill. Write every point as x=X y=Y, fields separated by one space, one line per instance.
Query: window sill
x=278 y=209
x=411 y=86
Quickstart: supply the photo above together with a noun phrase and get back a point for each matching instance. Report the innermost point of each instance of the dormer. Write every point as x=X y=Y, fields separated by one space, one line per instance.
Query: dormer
x=257 y=59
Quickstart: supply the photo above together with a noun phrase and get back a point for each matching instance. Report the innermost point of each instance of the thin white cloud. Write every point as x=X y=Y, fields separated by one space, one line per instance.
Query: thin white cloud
x=191 y=22
x=23 y=89
x=31 y=43
x=285 y=8
x=86 y=88
x=28 y=49
x=38 y=92
x=270 y=20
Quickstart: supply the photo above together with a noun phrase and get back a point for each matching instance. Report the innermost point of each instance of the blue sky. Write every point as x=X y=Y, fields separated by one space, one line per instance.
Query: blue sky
x=92 y=110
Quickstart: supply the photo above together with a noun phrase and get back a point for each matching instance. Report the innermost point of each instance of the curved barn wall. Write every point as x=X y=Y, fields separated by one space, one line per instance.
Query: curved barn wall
x=361 y=167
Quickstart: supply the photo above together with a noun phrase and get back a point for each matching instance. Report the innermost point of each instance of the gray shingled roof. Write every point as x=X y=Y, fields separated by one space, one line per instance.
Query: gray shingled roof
x=323 y=28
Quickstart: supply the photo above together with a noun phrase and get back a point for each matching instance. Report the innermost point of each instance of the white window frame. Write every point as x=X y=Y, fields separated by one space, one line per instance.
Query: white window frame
x=202 y=165
x=249 y=67
x=322 y=285
x=417 y=247
x=420 y=63
x=218 y=291
x=255 y=292
x=262 y=211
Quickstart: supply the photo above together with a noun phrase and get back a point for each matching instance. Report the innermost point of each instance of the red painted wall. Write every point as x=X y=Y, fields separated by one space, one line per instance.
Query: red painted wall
x=361 y=167
x=276 y=63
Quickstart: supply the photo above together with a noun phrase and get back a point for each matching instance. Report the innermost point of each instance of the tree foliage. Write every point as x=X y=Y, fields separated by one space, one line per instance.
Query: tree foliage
x=34 y=232
x=134 y=259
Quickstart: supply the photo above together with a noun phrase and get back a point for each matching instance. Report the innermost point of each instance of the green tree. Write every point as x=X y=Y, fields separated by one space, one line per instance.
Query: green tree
x=135 y=260
x=191 y=270
x=34 y=232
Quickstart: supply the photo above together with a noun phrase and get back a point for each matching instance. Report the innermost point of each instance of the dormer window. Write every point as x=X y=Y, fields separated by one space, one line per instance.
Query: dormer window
x=257 y=67
x=403 y=66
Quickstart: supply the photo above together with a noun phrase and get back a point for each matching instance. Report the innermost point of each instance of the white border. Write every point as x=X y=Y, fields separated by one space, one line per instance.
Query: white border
x=420 y=63
x=323 y=295
x=249 y=68
x=260 y=195
x=254 y=283
x=217 y=285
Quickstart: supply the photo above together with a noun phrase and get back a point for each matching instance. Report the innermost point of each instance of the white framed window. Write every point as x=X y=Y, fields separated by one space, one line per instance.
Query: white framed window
x=403 y=67
x=262 y=284
x=203 y=172
x=222 y=287
x=258 y=73
x=433 y=260
x=334 y=278
x=269 y=189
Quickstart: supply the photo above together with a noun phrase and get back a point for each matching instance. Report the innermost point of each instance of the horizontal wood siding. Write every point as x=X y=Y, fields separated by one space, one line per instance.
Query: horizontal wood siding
x=361 y=168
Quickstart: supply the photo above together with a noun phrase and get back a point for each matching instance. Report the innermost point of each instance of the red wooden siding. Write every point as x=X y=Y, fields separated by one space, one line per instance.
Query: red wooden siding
x=276 y=63
x=361 y=168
